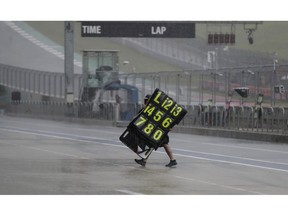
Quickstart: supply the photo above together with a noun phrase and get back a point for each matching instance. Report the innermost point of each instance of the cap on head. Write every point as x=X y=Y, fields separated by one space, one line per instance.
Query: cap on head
x=146 y=98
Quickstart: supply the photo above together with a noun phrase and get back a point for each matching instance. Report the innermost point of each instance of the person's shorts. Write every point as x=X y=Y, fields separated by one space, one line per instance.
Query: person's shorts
x=165 y=141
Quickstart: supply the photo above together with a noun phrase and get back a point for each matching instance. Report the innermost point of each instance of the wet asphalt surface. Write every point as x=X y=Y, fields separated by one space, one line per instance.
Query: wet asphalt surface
x=52 y=158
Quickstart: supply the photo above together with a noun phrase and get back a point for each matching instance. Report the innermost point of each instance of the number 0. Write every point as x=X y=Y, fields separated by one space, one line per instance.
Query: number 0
x=157 y=135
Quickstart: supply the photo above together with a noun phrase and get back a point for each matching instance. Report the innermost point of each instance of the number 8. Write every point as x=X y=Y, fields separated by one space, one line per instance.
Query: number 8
x=148 y=129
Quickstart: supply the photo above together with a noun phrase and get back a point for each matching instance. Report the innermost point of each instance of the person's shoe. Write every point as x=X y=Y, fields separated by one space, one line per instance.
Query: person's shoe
x=172 y=163
x=142 y=162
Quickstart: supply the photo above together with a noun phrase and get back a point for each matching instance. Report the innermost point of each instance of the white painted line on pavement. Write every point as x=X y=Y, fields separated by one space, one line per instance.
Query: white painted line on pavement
x=230 y=146
x=228 y=156
x=128 y=192
x=123 y=146
x=75 y=156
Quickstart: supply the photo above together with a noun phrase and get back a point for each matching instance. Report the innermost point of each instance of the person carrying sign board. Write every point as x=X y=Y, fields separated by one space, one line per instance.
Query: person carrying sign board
x=150 y=127
x=164 y=144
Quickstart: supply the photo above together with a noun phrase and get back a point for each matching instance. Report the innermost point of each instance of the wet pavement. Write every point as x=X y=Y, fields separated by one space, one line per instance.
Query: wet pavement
x=52 y=157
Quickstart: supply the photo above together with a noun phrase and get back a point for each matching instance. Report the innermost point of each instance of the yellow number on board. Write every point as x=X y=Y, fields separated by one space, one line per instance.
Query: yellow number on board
x=157 y=117
x=140 y=121
x=157 y=135
x=148 y=129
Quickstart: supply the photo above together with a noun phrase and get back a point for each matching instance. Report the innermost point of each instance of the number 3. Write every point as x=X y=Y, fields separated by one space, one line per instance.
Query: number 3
x=177 y=111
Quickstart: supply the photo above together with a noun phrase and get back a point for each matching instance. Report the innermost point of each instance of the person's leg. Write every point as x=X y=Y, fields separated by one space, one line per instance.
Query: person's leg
x=142 y=161
x=169 y=152
x=170 y=155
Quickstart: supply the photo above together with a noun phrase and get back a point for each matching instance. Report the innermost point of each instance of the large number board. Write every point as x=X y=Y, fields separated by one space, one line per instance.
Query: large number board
x=157 y=118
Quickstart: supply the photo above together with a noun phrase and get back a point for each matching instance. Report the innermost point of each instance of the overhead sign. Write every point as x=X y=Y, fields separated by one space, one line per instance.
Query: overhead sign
x=149 y=29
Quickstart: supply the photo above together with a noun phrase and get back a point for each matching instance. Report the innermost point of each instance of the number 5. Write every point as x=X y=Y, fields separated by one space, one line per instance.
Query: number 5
x=158 y=116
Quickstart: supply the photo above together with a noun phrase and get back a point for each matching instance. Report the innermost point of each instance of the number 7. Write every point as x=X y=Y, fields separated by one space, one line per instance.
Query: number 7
x=142 y=121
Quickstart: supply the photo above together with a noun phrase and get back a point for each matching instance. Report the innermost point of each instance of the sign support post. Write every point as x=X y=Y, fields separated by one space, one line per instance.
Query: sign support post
x=69 y=61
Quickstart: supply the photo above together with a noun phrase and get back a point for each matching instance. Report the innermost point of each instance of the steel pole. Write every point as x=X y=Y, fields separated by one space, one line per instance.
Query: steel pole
x=69 y=61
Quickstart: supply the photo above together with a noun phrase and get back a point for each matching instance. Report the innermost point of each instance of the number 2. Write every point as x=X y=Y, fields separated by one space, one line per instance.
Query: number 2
x=167 y=103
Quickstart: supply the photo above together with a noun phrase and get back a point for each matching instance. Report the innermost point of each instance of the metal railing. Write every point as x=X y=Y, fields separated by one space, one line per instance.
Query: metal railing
x=199 y=86
x=242 y=118
x=186 y=87
x=85 y=110
x=50 y=84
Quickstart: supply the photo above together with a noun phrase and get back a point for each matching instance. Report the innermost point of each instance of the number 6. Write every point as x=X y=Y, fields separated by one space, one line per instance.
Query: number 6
x=166 y=123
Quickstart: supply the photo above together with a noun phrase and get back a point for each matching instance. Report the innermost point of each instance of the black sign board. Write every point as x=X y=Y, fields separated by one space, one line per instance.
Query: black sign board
x=242 y=91
x=153 y=123
x=149 y=29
